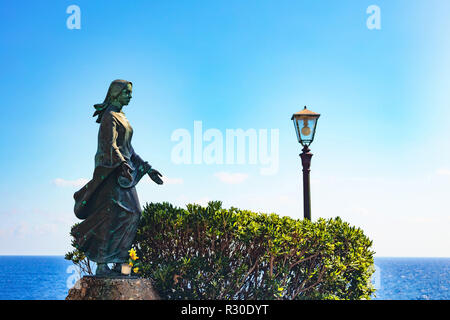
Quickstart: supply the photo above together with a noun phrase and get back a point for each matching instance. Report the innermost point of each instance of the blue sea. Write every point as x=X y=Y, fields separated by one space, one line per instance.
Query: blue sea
x=49 y=278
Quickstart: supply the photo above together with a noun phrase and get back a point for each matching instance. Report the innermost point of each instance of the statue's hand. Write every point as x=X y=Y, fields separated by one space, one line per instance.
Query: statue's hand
x=126 y=171
x=155 y=176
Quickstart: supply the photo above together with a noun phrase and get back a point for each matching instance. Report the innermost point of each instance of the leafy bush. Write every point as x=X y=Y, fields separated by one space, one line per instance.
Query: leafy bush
x=78 y=258
x=214 y=253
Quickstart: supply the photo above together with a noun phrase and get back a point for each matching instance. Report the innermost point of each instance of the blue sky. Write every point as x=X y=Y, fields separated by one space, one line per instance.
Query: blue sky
x=381 y=153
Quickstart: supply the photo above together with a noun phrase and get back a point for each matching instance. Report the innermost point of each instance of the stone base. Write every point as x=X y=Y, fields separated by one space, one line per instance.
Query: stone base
x=120 y=288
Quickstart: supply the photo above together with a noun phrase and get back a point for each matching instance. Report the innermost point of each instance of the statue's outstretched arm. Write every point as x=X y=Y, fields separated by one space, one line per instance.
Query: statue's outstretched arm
x=152 y=173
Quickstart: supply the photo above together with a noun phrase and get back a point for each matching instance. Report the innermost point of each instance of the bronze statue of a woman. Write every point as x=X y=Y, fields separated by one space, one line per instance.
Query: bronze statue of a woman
x=109 y=203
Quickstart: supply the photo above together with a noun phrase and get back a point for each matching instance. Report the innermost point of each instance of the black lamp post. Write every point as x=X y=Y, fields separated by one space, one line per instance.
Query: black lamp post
x=305 y=122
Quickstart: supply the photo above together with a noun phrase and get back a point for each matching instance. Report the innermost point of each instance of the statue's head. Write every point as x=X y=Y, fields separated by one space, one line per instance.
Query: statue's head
x=119 y=93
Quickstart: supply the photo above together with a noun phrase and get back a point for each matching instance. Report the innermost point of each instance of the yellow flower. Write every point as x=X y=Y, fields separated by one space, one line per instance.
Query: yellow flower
x=136 y=270
x=133 y=255
x=130 y=264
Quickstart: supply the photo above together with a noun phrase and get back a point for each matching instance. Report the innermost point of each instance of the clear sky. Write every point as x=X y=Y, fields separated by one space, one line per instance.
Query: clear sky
x=382 y=148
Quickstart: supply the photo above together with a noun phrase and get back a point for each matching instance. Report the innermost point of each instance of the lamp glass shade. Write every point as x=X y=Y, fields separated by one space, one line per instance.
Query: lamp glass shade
x=305 y=123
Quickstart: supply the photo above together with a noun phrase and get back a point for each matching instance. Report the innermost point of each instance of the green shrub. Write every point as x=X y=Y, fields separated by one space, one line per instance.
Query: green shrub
x=214 y=253
x=78 y=258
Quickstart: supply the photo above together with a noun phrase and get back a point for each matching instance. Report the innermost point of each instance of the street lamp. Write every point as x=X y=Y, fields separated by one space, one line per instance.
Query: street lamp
x=305 y=122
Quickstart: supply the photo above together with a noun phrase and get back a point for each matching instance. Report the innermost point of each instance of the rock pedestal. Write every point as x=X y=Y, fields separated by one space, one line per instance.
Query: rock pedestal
x=124 y=288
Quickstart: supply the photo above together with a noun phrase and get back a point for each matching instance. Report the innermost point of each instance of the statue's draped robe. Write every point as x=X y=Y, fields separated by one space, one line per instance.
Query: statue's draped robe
x=109 y=203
